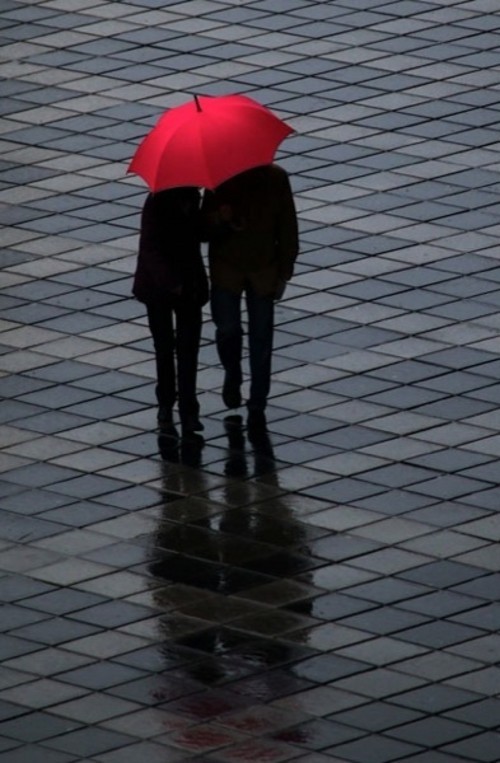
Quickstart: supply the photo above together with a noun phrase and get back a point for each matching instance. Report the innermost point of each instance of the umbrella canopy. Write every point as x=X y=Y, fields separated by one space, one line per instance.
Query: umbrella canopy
x=207 y=141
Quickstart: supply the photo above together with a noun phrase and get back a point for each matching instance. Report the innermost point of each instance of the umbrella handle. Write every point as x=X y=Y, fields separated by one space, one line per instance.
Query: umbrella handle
x=198 y=107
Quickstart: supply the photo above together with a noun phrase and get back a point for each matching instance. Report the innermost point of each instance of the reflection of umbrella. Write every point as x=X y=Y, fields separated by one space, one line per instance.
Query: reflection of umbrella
x=207 y=141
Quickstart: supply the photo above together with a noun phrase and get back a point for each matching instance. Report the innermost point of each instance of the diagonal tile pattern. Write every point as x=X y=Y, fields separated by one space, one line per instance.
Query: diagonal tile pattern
x=327 y=591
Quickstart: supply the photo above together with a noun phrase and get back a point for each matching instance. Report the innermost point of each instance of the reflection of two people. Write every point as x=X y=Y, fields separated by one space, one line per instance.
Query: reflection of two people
x=217 y=552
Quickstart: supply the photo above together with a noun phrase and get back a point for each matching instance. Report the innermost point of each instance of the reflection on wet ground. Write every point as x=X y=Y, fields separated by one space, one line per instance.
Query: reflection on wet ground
x=228 y=578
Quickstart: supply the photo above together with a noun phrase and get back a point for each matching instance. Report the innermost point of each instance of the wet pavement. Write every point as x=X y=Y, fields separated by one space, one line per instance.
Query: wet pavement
x=323 y=591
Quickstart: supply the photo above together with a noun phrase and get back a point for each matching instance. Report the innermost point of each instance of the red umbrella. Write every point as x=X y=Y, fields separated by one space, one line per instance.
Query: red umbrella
x=207 y=141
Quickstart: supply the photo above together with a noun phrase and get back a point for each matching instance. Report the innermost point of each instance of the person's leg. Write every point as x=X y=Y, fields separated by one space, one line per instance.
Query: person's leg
x=226 y=314
x=260 y=340
x=162 y=332
x=188 y=334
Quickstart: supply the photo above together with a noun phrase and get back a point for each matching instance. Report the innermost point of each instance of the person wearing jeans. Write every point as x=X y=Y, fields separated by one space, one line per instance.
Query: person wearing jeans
x=226 y=313
x=251 y=226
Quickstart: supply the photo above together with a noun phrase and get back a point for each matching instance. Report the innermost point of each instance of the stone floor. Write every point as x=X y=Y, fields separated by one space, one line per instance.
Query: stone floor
x=327 y=591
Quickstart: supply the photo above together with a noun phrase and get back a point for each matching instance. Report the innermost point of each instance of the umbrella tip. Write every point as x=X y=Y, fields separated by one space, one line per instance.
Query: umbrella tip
x=198 y=107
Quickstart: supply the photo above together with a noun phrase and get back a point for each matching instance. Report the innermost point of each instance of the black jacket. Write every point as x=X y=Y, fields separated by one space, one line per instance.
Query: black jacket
x=259 y=242
x=170 y=258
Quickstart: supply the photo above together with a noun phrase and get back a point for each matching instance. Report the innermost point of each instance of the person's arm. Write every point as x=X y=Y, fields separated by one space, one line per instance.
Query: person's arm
x=148 y=237
x=159 y=242
x=216 y=218
x=287 y=232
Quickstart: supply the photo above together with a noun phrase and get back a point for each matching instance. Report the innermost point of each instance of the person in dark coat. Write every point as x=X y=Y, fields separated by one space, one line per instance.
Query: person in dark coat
x=251 y=225
x=170 y=279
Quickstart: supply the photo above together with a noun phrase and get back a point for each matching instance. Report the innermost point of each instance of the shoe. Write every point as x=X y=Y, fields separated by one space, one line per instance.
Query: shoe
x=256 y=420
x=192 y=424
x=165 y=416
x=231 y=393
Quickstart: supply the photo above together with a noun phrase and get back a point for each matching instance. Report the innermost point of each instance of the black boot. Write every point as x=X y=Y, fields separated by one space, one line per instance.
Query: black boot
x=231 y=393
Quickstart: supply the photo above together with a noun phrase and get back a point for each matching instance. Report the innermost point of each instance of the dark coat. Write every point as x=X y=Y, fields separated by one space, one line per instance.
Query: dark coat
x=251 y=225
x=170 y=260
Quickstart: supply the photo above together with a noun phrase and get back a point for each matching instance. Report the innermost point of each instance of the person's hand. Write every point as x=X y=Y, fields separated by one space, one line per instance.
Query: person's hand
x=280 y=289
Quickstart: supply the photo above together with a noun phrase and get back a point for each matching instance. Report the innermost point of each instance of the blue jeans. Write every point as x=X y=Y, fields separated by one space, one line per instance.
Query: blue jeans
x=226 y=313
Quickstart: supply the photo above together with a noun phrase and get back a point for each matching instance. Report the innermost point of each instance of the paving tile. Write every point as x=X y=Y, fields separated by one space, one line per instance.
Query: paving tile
x=155 y=753
x=437 y=731
x=481 y=713
x=445 y=603
x=89 y=741
x=375 y=749
x=36 y=754
x=483 y=747
x=379 y=651
x=34 y=694
x=35 y=727
x=317 y=734
x=48 y=662
x=385 y=621
x=427 y=666
x=478 y=680
x=93 y=708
